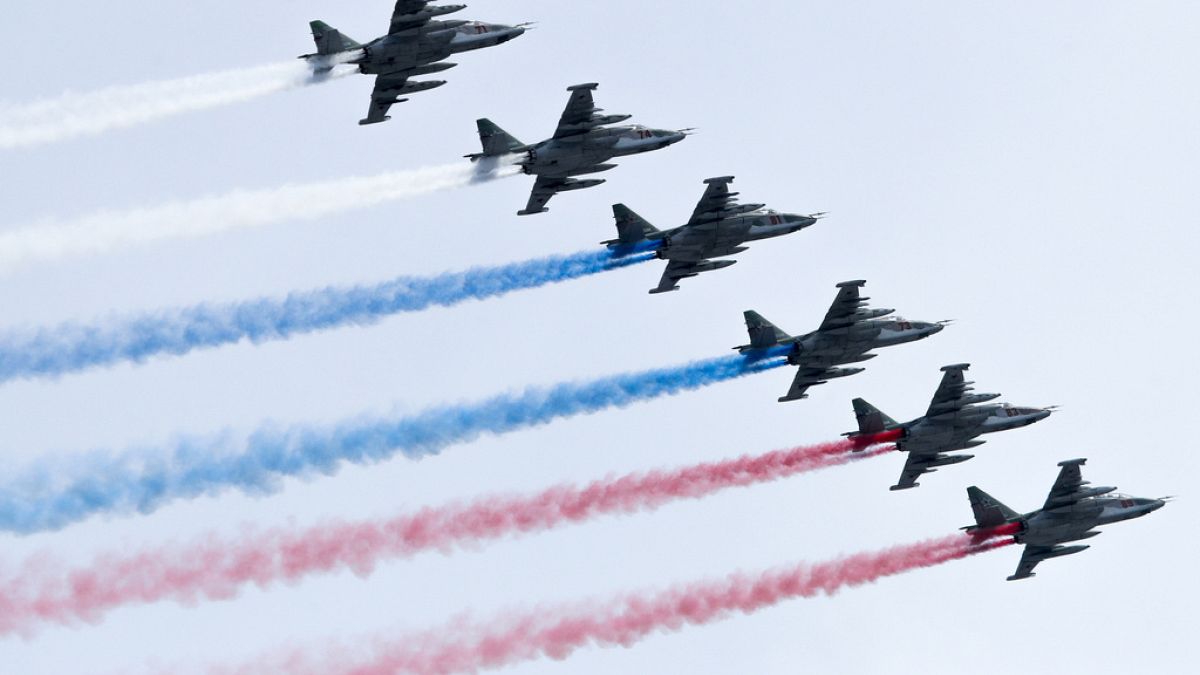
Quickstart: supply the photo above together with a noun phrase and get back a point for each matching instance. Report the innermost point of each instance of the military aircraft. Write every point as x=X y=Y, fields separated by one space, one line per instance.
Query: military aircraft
x=416 y=44
x=718 y=227
x=581 y=145
x=954 y=419
x=1069 y=514
x=850 y=330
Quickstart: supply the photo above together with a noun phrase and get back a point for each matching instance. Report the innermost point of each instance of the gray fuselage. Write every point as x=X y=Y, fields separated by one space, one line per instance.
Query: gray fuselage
x=691 y=244
x=849 y=345
x=1075 y=522
x=411 y=49
x=585 y=153
x=955 y=430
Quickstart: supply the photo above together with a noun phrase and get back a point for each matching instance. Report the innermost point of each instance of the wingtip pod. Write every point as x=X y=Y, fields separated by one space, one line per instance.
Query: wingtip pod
x=1073 y=462
x=589 y=86
x=715 y=180
x=956 y=366
x=851 y=284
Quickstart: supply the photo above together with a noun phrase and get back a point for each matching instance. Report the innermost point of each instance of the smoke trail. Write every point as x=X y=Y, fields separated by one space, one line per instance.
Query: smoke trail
x=558 y=633
x=213 y=568
x=52 y=494
x=82 y=114
x=107 y=230
x=72 y=346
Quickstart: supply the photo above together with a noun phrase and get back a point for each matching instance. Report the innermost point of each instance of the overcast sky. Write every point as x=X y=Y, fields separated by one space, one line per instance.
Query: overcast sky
x=1028 y=169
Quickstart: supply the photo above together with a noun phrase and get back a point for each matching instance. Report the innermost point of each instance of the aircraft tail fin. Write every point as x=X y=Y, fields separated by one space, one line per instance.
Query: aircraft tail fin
x=631 y=228
x=763 y=333
x=871 y=420
x=989 y=512
x=330 y=40
x=496 y=141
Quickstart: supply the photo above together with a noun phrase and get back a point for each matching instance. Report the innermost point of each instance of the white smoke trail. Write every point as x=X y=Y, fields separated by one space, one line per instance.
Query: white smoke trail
x=75 y=114
x=107 y=230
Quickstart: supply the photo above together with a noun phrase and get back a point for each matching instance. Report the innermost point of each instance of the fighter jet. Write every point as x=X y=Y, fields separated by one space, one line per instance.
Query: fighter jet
x=718 y=227
x=415 y=45
x=1069 y=514
x=954 y=419
x=850 y=330
x=581 y=145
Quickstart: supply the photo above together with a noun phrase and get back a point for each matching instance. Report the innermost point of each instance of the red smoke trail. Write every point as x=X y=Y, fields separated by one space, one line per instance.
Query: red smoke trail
x=216 y=568
x=556 y=634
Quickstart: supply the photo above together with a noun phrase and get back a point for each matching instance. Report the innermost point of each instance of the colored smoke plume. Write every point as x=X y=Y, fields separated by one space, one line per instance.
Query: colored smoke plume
x=55 y=492
x=558 y=633
x=75 y=114
x=73 y=347
x=214 y=568
x=104 y=231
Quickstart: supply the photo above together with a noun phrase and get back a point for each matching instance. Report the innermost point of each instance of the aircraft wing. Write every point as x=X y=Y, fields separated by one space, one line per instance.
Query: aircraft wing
x=682 y=269
x=949 y=395
x=543 y=189
x=1030 y=557
x=715 y=202
x=546 y=187
x=844 y=311
x=387 y=88
x=675 y=270
x=579 y=111
x=1067 y=488
x=405 y=16
x=805 y=378
x=919 y=464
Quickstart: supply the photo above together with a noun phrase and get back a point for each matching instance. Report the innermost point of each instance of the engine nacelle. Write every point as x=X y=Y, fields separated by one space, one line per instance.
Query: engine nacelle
x=598 y=120
x=712 y=265
x=580 y=184
x=841 y=372
x=738 y=209
x=413 y=87
x=1064 y=550
x=592 y=169
x=429 y=12
x=948 y=460
x=430 y=68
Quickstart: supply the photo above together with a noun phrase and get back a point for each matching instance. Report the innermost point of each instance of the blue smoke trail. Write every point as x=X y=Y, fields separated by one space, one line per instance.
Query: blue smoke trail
x=72 y=347
x=52 y=495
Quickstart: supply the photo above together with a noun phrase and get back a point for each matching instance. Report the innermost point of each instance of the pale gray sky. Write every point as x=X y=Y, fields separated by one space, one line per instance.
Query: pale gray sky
x=1025 y=168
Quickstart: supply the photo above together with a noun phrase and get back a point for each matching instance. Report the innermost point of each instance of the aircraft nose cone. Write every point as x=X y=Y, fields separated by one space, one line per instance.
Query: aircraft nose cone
x=936 y=328
x=1041 y=415
x=1155 y=504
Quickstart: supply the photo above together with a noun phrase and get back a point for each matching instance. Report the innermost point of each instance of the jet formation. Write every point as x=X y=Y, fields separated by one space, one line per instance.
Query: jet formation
x=416 y=44
x=718 y=227
x=582 y=144
x=1071 y=512
x=847 y=335
x=585 y=140
x=955 y=418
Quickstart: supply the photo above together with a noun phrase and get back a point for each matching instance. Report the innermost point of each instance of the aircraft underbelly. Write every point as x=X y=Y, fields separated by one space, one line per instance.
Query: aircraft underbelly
x=560 y=161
